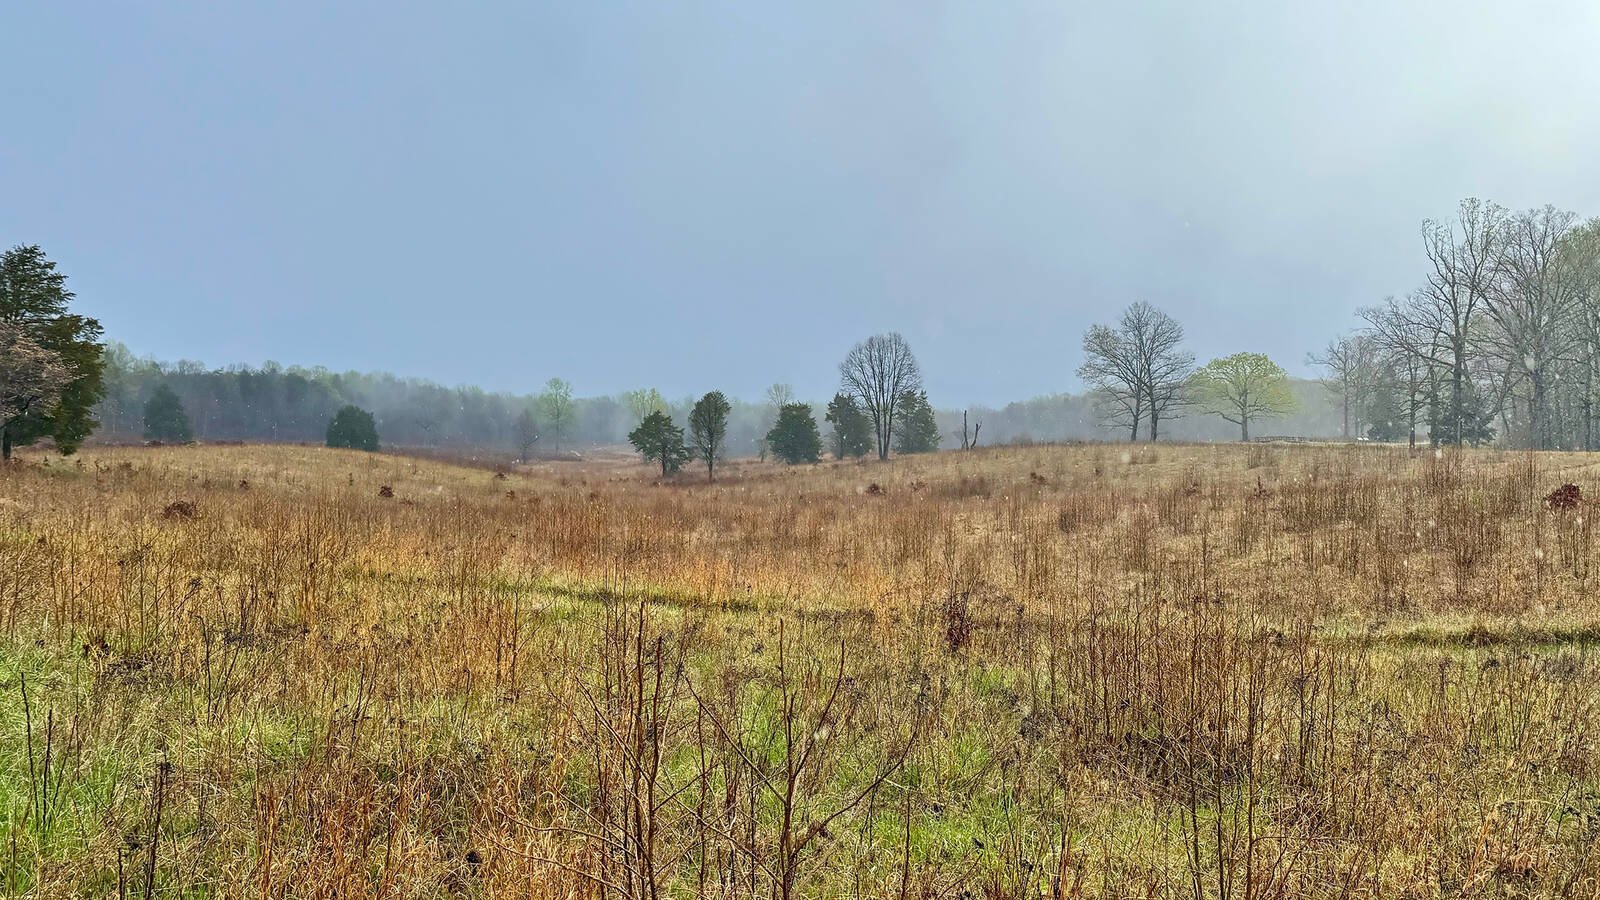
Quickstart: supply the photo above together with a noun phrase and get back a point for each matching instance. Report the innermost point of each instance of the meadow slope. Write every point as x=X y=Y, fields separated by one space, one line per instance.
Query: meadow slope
x=1253 y=671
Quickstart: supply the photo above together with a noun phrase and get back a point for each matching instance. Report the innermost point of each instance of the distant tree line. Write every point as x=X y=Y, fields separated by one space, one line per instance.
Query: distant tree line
x=61 y=383
x=293 y=404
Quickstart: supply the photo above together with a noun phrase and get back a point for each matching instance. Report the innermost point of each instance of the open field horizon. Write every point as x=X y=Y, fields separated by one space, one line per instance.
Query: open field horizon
x=1090 y=670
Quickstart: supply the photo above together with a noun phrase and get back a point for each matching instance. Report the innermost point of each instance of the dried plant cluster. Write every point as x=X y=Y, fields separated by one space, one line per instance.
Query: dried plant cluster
x=1009 y=673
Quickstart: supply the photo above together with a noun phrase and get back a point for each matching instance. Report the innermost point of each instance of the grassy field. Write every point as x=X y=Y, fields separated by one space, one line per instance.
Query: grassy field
x=1252 y=672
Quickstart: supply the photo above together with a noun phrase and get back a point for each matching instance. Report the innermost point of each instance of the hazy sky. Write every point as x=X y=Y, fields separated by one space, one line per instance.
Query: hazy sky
x=698 y=196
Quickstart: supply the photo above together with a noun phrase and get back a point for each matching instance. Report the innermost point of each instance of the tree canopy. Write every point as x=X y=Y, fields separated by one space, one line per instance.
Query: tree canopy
x=708 y=430
x=353 y=427
x=557 y=408
x=1243 y=388
x=164 y=417
x=917 y=431
x=660 y=441
x=34 y=300
x=1138 y=370
x=794 y=437
x=880 y=372
x=852 y=430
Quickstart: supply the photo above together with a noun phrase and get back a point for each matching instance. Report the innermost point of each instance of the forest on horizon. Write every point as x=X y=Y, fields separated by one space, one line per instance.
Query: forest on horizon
x=292 y=404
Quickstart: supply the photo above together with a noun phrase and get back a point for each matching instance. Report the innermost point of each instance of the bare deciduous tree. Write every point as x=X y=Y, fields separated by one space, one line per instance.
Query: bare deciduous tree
x=1584 y=246
x=1139 y=370
x=1109 y=368
x=1352 y=363
x=1463 y=259
x=1409 y=340
x=878 y=373
x=527 y=434
x=1534 y=295
x=779 y=395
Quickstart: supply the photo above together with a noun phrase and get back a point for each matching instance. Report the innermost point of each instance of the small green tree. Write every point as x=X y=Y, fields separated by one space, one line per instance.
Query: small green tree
x=1244 y=387
x=658 y=440
x=916 y=432
x=164 y=418
x=643 y=402
x=852 y=430
x=794 y=438
x=558 y=409
x=708 y=430
x=353 y=427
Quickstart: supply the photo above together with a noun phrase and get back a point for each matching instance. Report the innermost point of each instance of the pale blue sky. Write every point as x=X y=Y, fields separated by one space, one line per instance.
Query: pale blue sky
x=698 y=196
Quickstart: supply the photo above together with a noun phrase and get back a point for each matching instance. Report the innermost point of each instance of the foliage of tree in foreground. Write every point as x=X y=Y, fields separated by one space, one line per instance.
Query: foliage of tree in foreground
x=52 y=361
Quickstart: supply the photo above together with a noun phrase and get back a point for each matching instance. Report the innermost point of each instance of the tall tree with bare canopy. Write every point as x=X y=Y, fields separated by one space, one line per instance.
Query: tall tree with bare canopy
x=1138 y=370
x=1352 y=365
x=54 y=357
x=879 y=373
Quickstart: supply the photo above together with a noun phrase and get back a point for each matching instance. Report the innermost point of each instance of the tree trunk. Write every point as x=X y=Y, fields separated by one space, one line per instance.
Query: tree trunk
x=1458 y=398
x=1244 y=429
x=1538 y=416
x=5 y=443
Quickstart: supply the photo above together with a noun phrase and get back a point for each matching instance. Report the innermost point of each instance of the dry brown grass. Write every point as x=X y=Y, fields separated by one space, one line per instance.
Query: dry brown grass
x=1043 y=671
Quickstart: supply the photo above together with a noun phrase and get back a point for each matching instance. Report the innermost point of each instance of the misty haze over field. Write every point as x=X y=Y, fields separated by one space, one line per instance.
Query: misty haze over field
x=725 y=196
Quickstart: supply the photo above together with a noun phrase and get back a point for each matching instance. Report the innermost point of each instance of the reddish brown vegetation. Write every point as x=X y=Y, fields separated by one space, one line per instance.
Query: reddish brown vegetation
x=1568 y=496
x=179 y=509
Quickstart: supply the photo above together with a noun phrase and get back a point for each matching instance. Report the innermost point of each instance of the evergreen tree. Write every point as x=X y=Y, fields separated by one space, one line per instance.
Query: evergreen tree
x=1386 y=409
x=353 y=427
x=852 y=430
x=164 y=418
x=794 y=438
x=708 y=430
x=658 y=440
x=34 y=296
x=1459 y=417
x=916 y=432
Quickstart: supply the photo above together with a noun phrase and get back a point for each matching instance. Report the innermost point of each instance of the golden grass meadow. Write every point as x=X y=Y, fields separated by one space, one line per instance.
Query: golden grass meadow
x=1053 y=671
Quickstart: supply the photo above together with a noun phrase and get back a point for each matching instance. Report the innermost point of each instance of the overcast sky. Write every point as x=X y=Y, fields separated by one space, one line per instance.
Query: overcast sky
x=695 y=196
